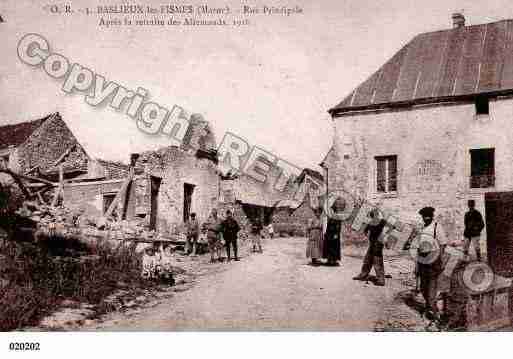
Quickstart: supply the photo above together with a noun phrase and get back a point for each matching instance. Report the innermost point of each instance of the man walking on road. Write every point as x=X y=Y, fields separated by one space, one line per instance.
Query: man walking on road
x=474 y=224
x=230 y=229
x=430 y=245
x=374 y=255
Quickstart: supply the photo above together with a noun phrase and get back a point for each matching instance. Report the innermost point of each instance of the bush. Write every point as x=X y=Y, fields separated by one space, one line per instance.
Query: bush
x=37 y=282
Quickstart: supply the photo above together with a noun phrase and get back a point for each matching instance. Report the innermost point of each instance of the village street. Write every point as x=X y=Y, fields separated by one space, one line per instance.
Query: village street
x=276 y=290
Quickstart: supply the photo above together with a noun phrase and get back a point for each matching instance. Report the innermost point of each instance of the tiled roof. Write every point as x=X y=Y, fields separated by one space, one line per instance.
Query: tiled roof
x=15 y=135
x=463 y=61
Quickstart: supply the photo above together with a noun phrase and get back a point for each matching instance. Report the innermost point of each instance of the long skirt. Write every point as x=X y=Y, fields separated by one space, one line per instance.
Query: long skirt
x=332 y=250
x=314 y=244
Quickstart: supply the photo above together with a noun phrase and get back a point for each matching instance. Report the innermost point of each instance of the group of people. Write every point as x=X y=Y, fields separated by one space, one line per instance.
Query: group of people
x=215 y=230
x=429 y=243
x=324 y=244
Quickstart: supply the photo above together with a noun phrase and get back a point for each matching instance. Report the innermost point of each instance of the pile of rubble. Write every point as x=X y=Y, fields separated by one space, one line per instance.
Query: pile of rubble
x=64 y=222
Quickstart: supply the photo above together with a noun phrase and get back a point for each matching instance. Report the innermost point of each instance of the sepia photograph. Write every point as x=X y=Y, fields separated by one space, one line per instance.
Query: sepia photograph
x=219 y=167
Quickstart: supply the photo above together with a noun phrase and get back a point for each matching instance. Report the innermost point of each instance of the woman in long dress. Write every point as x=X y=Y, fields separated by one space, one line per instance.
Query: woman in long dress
x=332 y=240
x=314 y=244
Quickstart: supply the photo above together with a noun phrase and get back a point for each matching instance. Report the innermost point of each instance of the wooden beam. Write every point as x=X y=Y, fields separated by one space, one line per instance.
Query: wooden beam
x=121 y=195
x=64 y=155
x=18 y=181
x=118 y=198
x=41 y=199
x=36 y=179
x=60 y=189
x=32 y=169
x=44 y=189
x=61 y=175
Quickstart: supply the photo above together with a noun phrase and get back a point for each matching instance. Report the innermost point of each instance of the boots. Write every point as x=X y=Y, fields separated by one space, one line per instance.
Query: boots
x=361 y=276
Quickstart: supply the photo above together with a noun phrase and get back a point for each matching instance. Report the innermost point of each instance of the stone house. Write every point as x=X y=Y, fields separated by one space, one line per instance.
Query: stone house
x=37 y=147
x=431 y=127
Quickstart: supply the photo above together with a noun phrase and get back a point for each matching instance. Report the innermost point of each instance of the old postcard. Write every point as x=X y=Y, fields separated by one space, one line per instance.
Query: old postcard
x=217 y=165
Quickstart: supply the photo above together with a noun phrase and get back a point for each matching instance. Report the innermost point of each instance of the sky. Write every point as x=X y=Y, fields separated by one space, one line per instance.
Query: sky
x=271 y=82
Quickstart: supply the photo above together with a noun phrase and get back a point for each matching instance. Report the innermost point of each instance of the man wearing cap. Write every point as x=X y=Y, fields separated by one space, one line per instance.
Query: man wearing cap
x=230 y=228
x=430 y=244
x=374 y=255
x=474 y=224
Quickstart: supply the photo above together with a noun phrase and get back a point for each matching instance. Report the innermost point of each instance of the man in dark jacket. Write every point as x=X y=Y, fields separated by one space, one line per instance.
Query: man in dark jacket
x=474 y=224
x=374 y=255
x=230 y=229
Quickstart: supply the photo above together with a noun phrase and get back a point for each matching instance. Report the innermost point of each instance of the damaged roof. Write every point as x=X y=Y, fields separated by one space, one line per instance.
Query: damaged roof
x=310 y=172
x=114 y=169
x=440 y=66
x=17 y=134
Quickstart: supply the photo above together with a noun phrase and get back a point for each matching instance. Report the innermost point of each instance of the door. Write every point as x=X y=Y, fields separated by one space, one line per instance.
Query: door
x=499 y=230
x=188 y=190
x=154 y=195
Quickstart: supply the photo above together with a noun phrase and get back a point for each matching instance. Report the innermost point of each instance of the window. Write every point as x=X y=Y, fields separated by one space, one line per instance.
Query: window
x=107 y=201
x=482 y=168
x=482 y=105
x=386 y=174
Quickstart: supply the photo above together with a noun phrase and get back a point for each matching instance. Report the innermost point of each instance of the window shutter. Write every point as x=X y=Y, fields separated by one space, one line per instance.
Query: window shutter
x=381 y=173
x=392 y=174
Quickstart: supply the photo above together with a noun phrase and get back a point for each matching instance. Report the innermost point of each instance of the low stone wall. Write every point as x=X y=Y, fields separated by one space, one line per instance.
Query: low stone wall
x=489 y=309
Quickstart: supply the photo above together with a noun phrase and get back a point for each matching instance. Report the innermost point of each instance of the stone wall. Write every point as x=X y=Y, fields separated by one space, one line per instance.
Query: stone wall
x=176 y=167
x=432 y=145
x=303 y=214
x=89 y=196
x=47 y=144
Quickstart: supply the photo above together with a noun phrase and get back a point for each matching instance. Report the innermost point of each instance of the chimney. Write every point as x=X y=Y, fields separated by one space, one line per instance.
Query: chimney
x=458 y=20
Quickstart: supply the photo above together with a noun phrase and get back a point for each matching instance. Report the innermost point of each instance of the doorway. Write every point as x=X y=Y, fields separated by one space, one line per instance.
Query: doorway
x=108 y=198
x=154 y=195
x=188 y=190
x=499 y=232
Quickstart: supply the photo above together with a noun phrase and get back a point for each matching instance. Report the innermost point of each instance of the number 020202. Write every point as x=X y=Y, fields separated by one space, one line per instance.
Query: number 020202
x=23 y=346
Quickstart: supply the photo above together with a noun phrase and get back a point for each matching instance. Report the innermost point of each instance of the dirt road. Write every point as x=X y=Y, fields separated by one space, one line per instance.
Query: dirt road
x=276 y=290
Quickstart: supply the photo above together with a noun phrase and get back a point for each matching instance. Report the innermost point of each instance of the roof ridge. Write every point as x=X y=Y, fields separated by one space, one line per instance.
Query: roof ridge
x=447 y=70
x=463 y=27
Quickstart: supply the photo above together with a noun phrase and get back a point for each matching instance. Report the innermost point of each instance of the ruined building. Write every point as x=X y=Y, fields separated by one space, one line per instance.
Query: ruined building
x=168 y=185
x=162 y=187
x=39 y=147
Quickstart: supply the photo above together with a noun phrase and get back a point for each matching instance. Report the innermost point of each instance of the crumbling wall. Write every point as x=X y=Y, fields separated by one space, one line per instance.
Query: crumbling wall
x=176 y=167
x=88 y=197
x=47 y=143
